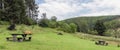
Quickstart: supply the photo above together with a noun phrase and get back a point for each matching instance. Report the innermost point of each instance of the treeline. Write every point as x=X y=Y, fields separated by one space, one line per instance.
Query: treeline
x=59 y=25
x=25 y=12
x=18 y=11
x=88 y=24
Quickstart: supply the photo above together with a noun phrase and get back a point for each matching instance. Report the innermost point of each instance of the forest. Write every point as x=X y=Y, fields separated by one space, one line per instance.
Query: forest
x=87 y=24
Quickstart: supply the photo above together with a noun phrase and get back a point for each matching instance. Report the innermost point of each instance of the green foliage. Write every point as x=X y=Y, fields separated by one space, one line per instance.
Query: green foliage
x=66 y=27
x=112 y=24
x=83 y=26
x=59 y=25
x=92 y=32
x=29 y=21
x=53 y=18
x=44 y=23
x=110 y=32
x=100 y=28
x=62 y=26
x=73 y=27
x=86 y=24
x=15 y=11
x=52 y=24
x=117 y=33
x=70 y=28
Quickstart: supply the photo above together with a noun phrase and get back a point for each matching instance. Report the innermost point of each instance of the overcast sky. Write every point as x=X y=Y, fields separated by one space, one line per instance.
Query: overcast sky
x=64 y=9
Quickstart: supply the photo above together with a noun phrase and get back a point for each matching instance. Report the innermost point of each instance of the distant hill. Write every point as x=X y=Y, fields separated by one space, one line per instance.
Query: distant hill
x=86 y=23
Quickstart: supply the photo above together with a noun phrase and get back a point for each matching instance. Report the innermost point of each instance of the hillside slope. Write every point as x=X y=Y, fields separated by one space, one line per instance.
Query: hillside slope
x=47 y=39
x=86 y=24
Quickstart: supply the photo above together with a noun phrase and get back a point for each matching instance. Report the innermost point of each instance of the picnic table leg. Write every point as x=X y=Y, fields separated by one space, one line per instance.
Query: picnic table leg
x=24 y=36
x=14 y=38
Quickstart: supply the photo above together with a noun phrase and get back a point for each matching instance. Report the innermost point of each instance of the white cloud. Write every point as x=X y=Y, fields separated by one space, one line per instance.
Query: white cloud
x=111 y=7
x=70 y=8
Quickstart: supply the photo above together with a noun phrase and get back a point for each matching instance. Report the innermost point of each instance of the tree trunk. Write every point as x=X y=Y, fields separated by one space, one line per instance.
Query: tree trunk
x=3 y=4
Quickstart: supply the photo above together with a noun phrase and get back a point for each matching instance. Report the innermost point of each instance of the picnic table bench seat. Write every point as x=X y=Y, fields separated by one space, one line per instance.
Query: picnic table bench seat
x=9 y=38
x=19 y=39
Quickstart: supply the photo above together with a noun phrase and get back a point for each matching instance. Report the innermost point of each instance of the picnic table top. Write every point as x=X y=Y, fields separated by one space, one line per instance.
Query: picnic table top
x=21 y=34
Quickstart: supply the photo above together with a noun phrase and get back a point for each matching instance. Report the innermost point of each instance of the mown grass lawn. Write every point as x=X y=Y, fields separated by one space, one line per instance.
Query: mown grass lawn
x=47 y=39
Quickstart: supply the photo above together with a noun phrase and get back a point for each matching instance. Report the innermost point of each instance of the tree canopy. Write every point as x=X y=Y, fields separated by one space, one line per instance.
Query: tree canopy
x=100 y=27
x=18 y=11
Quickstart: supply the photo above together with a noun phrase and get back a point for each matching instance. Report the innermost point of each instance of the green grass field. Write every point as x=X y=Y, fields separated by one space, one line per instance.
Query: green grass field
x=47 y=39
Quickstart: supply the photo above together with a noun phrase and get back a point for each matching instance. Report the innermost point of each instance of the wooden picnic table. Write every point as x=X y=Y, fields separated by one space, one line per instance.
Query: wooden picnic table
x=101 y=42
x=15 y=38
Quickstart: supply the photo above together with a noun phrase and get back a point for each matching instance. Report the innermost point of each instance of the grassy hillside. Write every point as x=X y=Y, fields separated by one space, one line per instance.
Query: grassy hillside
x=86 y=24
x=47 y=39
x=93 y=18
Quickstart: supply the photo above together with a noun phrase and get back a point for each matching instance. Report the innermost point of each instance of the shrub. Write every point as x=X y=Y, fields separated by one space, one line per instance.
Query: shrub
x=52 y=24
x=53 y=18
x=73 y=27
x=11 y=27
x=29 y=21
x=66 y=28
x=70 y=28
x=44 y=23
x=109 y=32
x=63 y=27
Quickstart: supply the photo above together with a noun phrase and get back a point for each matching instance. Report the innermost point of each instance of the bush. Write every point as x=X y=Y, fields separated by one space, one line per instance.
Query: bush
x=63 y=27
x=29 y=21
x=11 y=27
x=52 y=24
x=70 y=28
x=73 y=27
x=44 y=23
x=110 y=32
x=66 y=28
